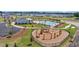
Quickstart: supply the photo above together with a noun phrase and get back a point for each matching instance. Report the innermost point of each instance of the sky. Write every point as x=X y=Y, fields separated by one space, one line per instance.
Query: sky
x=39 y=5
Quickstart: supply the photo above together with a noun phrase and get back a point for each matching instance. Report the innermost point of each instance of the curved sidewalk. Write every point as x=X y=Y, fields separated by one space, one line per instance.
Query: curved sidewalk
x=13 y=24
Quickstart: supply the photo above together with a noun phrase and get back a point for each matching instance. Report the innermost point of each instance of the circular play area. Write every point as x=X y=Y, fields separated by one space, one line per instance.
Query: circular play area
x=49 y=37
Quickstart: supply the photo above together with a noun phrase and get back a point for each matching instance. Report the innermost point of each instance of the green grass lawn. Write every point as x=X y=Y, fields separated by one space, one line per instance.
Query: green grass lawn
x=64 y=18
x=72 y=29
x=1 y=19
x=25 y=40
x=32 y=25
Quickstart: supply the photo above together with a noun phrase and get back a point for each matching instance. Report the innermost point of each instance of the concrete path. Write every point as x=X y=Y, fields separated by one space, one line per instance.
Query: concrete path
x=13 y=24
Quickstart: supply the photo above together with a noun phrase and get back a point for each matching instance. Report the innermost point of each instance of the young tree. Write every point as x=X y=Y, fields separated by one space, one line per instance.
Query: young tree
x=31 y=39
x=9 y=25
x=15 y=45
x=6 y=45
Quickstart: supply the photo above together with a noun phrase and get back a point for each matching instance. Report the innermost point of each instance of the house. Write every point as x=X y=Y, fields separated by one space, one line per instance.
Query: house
x=23 y=21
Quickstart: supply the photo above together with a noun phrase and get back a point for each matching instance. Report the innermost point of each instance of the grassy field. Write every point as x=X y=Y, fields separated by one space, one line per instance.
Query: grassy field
x=72 y=29
x=1 y=19
x=32 y=25
x=25 y=40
